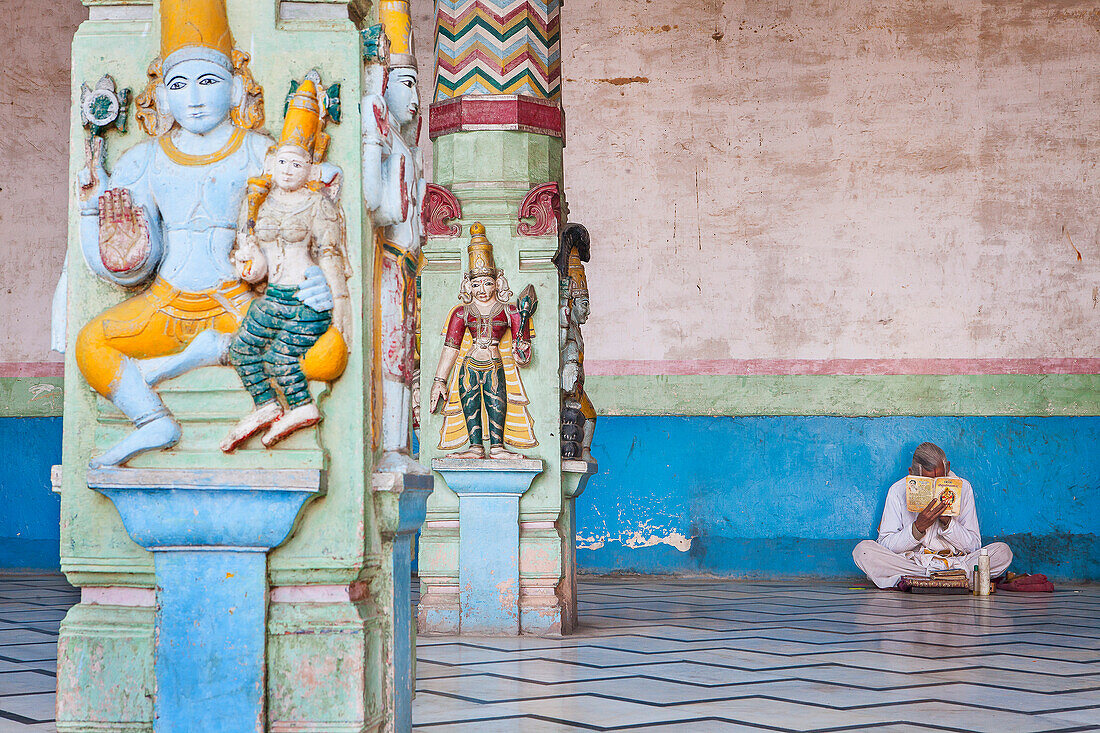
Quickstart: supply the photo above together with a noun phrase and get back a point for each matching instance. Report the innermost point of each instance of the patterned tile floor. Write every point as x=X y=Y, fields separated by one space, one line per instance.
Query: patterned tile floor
x=709 y=656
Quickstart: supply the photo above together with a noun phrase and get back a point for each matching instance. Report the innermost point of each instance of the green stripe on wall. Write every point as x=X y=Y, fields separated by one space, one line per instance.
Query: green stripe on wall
x=1021 y=395
x=31 y=396
x=999 y=394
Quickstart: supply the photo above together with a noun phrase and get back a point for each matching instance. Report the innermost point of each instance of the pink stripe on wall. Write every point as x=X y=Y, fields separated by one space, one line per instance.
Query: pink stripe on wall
x=32 y=369
x=839 y=367
x=752 y=367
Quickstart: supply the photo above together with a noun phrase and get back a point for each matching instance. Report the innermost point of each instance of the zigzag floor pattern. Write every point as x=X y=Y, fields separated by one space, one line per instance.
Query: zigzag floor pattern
x=737 y=656
x=708 y=656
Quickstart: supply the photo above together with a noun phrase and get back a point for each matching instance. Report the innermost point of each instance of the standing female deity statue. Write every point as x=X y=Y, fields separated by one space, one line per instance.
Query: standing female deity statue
x=488 y=337
x=393 y=189
x=290 y=233
x=169 y=211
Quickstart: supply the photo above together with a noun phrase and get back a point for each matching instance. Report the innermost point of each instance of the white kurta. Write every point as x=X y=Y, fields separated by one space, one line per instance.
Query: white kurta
x=898 y=552
x=895 y=531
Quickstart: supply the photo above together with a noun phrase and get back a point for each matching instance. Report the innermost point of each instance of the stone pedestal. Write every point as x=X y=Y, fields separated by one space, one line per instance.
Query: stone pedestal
x=488 y=544
x=209 y=532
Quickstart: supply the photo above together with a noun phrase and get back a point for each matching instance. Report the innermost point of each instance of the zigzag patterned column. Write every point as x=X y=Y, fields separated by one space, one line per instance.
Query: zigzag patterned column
x=498 y=47
x=497 y=130
x=498 y=66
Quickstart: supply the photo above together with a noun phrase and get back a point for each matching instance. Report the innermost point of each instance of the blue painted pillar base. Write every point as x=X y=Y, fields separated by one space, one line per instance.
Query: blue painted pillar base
x=209 y=531
x=488 y=540
x=211 y=611
x=401 y=501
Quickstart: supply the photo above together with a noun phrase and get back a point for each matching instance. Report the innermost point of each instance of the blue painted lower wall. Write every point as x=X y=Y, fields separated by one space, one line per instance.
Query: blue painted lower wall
x=791 y=496
x=737 y=496
x=29 y=511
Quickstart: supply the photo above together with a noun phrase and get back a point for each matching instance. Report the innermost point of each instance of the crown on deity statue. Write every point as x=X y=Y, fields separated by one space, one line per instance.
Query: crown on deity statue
x=304 y=120
x=480 y=251
x=397 y=23
x=195 y=29
x=578 y=282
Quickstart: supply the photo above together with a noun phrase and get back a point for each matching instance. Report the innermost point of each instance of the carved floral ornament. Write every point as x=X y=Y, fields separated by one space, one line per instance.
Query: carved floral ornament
x=543 y=204
x=440 y=207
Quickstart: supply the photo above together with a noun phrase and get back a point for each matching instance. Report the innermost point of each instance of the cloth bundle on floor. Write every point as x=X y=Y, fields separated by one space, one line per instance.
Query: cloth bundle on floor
x=1037 y=583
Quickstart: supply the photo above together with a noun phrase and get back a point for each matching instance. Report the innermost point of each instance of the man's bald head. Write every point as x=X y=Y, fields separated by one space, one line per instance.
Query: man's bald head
x=929 y=457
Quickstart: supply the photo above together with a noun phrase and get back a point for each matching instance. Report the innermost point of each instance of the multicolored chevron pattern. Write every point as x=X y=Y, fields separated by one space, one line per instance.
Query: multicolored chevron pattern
x=498 y=47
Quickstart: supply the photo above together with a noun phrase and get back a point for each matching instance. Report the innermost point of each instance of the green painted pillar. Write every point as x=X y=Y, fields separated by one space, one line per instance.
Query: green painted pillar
x=330 y=592
x=497 y=129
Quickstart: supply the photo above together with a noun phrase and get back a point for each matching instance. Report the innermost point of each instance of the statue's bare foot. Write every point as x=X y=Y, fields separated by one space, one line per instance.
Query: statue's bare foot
x=251 y=424
x=396 y=462
x=300 y=417
x=502 y=453
x=474 y=451
x=163 y=432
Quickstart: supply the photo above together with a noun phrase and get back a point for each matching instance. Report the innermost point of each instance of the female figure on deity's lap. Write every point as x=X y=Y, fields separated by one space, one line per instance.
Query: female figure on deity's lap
x=290 y=234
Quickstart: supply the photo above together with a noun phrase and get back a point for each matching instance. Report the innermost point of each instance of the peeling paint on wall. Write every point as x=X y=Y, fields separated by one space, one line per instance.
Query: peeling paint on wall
x=643 y=537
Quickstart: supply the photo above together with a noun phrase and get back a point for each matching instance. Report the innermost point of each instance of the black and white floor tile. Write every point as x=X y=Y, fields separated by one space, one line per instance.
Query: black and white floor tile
x=736 y=656
x=31 y=609
x=708 y=656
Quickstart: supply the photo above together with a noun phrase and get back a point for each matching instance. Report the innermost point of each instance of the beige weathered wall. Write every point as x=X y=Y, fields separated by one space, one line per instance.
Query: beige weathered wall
x=34 y=135
x=771 y=180
x=836 y=179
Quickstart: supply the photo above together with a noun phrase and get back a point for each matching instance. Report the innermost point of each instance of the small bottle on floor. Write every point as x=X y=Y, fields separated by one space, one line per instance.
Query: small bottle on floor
x=983 y=573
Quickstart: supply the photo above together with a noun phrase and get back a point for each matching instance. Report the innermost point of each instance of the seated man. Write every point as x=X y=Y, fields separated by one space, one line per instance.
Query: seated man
x=920 y=544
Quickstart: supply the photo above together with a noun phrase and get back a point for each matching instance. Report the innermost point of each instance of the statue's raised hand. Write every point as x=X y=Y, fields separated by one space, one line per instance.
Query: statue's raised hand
x=123 y=232
x=376 y=123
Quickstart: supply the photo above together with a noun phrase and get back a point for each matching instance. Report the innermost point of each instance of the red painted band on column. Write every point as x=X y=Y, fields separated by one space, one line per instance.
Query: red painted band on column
x=495 y=112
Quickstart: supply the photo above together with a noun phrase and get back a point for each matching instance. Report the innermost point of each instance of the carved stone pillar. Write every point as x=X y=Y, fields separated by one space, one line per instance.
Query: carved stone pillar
x=304 y=601
x=497 y=129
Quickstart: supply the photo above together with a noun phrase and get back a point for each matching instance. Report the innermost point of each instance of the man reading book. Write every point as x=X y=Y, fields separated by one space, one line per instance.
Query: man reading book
x=921 y=543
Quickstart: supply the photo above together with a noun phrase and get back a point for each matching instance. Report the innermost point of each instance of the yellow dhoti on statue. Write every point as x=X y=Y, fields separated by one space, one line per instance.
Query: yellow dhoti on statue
x=519 y=428
x=164 y=320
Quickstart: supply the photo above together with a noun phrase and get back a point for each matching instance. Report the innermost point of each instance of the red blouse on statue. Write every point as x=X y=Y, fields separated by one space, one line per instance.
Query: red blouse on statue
x=484 y=328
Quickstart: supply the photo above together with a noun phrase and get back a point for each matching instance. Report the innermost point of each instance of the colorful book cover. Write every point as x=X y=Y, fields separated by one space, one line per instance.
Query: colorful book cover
x=920 y=490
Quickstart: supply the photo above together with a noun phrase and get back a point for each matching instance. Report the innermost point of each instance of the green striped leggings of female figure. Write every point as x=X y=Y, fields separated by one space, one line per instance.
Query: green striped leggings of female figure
x=482 y=382
x=276 y=332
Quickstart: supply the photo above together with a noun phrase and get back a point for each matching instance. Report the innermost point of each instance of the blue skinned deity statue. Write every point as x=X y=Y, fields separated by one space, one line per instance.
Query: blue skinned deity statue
x=168 y=213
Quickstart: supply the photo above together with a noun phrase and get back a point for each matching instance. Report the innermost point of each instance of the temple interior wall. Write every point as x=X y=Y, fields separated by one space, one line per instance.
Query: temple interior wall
x=836 y=180
x=34 y=145
x=761 y=181
x=767 y=182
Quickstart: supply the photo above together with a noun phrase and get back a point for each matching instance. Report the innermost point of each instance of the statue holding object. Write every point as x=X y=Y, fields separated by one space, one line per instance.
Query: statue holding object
x=578 y=416
x=393 y=190
x=168 y=212
x=290 y=232
x=101 y=108
x=488 y=337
